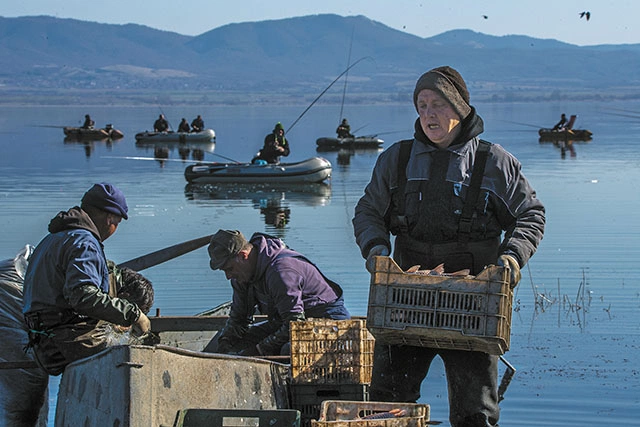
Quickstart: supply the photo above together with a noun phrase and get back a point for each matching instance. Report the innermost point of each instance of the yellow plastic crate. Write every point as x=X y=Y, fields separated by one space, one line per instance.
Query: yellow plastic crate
x=337 y=413
x=327 y=351
x=460 y=313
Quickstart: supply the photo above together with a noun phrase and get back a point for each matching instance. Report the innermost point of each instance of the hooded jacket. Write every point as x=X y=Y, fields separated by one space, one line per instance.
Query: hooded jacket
x=68 y=273
x=510 y=203
x=284 y=287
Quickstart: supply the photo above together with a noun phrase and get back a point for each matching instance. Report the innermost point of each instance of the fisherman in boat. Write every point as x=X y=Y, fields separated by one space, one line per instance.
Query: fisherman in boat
x=561 y=124
x=280 y=282
x=184 y=126
x=197 y=125
x=275 y=145
x=88 y=122
x=67 y=289
x=344 y=129
x=161 y=125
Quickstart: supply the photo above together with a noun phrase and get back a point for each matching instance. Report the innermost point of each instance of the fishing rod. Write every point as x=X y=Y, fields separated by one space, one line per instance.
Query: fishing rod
x=346 y=77
x=326 y=89
x=523 y=124
x=165 y=116
x=172 y=160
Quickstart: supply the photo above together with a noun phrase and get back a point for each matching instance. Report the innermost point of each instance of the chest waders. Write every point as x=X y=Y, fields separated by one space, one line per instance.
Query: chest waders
x=423 y=221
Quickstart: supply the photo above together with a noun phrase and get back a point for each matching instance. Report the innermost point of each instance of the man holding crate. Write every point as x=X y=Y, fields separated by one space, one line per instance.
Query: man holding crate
x=448 y=197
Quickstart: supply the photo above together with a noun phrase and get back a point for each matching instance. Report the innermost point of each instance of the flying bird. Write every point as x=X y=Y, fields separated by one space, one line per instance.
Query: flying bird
x=585 y=15
x=485 y=16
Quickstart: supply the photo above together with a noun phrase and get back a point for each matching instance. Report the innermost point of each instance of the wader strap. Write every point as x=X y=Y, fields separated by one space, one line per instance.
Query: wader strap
x=398 y=220
x=468 y=210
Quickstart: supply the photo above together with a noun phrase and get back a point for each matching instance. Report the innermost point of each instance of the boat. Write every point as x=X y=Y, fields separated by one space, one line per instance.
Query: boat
x=547 y=134
x=330 y=143
x=108 y=132
x=315 y=169
x=566 y=133
x=151 y=384
x=206 y=135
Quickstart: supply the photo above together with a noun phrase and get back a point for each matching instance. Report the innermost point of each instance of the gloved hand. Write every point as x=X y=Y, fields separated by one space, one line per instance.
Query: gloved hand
x=250 y=351
x=377 y=250
x=142 y=326
x=511 y=263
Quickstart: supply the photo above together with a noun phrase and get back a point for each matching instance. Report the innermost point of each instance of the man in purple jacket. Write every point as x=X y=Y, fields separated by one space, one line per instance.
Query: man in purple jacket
x=280 y=282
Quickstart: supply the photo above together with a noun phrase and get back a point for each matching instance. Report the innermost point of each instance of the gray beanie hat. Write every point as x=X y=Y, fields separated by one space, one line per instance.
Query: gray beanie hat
x=449 y=84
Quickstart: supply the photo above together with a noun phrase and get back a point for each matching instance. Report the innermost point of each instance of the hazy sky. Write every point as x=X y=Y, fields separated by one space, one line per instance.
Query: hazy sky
x=612 y=21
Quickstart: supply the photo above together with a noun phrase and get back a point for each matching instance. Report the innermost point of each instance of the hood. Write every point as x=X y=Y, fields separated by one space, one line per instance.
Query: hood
x=268 y=248
x=73 y=219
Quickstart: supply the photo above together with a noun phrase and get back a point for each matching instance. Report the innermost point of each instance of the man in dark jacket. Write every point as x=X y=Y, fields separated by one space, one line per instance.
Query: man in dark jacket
x=280 y=282
x=161 y=124
x=67 y=289
x=275 y=145
x=423 y=191
x=197 y=124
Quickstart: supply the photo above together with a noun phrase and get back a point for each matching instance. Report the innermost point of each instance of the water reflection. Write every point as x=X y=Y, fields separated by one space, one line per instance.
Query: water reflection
x=89 y=144
x=274 y=203
x=343 y=155
x=565 y=146
x=162 y=151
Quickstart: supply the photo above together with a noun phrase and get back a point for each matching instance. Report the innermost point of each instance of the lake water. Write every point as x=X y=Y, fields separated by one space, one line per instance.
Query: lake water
x=576 y=327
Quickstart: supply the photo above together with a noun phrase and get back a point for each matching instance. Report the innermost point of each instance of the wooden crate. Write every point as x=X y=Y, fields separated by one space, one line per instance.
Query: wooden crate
x=326 y=351
x=461 y=313
x=336 y=413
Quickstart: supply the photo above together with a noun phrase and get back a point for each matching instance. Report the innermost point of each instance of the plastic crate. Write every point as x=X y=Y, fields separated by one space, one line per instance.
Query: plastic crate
x=460 y=313
x=335 y=413
x=308 y=398
x=326 y=351
x=237 y=418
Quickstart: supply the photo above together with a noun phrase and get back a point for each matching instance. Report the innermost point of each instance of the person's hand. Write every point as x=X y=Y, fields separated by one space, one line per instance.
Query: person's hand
x=142 y=326
x=511 y=263
x=377 y=250
x=250 y=351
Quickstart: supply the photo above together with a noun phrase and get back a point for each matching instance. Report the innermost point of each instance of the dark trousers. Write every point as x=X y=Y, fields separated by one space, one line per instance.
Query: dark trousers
x=472 y=379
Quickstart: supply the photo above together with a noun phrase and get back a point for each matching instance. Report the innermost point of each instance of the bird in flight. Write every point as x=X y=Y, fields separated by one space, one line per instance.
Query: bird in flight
x=485 y=16
x=585 y=15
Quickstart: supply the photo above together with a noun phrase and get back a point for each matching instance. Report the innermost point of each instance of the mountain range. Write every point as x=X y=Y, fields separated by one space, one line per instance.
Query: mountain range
x=301 y=56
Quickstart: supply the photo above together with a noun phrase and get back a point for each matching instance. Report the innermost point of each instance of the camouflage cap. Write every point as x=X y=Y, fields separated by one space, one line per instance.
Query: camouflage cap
x=224 y=245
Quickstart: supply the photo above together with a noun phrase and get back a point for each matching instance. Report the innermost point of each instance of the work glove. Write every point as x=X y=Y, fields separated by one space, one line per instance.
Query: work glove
x=377 y=250
x=142 y=326
x=254 y=350
x=511 y=263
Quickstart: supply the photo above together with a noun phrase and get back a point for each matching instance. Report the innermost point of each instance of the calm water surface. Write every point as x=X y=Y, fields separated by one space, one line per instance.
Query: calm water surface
x=575 y=331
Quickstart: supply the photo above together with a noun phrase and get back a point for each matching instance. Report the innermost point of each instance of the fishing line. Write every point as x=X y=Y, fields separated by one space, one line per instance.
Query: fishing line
x=326 y=89
x=346 y=77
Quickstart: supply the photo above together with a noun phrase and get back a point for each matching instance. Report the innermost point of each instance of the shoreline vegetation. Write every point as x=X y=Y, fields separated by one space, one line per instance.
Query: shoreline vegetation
x=129 y=97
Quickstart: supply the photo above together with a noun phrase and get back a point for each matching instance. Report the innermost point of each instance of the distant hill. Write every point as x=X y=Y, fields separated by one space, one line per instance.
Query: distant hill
x=302 y=55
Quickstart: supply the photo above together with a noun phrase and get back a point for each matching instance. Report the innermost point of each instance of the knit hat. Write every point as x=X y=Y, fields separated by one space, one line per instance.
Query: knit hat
x=225 y=244
x=449 y=84
x=278 y=127
x=108 y=198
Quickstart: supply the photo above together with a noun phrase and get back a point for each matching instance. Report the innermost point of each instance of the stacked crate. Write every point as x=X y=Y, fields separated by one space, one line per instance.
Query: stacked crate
x=330 y=360
x=372 y=414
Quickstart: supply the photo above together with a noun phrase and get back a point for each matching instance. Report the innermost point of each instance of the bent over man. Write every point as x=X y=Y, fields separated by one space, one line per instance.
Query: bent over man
x=280 y=282
x=67 y=287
